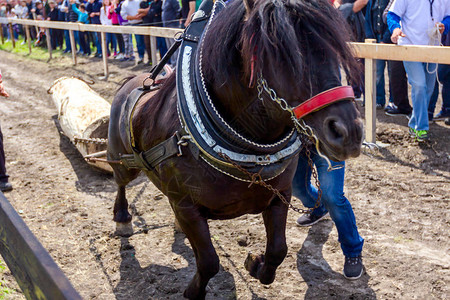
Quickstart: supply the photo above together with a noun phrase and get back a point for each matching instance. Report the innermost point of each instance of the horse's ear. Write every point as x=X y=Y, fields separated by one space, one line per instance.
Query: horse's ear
x=249 y=4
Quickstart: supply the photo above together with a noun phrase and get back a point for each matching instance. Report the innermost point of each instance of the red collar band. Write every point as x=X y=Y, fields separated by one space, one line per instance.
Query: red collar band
x=324 y=99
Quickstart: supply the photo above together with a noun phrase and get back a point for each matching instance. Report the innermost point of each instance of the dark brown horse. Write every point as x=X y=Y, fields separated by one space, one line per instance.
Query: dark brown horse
x=297 y=46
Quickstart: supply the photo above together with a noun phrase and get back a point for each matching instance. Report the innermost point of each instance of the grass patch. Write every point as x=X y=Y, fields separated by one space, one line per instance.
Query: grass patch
x=37 y=53
x=4 y=290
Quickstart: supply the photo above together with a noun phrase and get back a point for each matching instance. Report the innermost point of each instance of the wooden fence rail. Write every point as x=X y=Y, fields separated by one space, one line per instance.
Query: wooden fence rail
x=35 y=271
x=369 y=50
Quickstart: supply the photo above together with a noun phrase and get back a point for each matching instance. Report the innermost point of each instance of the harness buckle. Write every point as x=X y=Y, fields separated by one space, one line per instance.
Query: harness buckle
x=182 y=141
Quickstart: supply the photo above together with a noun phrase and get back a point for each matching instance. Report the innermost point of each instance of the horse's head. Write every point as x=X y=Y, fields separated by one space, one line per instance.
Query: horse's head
x=296 y=46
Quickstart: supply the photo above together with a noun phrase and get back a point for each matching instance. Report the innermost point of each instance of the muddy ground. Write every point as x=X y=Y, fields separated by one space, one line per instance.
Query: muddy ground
x=400 y=196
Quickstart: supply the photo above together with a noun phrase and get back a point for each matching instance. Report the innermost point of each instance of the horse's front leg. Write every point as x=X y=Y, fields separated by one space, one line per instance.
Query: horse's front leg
x=263 y=267
x=196 y=229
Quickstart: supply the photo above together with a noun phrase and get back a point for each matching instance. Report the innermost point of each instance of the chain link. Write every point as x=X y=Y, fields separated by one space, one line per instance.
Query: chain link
x=97 y=141
x=257 y=179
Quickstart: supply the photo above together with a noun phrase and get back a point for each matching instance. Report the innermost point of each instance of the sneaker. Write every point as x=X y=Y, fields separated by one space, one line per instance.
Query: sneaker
x=140 y=61
x=353 y=267
x=442 y=115
x=447 y=122
x=309 y=219
x=379 y=106
x=418 y=135
x=421 y=135
x=119 y=56
x=5 y=186
x=394 y=111
x=390 y=106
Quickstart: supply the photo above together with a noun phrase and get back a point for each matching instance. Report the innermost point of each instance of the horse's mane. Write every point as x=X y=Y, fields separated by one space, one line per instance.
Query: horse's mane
x=279 y=36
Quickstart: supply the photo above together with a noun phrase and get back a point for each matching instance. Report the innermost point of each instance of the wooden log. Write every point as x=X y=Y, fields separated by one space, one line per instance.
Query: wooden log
x=83 y=115
x=35 y=271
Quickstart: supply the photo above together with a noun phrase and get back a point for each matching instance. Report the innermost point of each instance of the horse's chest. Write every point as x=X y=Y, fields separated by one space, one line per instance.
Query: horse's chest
x=186 y=181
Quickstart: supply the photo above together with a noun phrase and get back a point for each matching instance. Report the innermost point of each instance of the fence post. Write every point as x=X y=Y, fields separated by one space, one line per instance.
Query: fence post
x=73 y=47
x=1 y=34
x=105 y=55
x=11 y=34
x=27 y=31
x=153 y=50
x=370 y=96
x=49 y=42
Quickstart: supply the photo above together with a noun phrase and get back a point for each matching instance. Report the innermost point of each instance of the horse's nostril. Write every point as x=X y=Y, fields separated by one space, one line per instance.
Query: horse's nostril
x=335 y=130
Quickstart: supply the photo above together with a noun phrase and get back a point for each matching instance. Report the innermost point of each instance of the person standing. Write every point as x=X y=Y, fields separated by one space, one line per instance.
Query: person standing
x=421 y=23
x=129 y=11
x=93 y=8
x=376 y=29
x=333 y=202
x=171 y=13
x=444 y=78
x=5 y=185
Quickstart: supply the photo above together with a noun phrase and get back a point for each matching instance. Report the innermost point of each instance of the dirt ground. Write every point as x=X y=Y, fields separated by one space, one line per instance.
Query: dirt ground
x=400 y=195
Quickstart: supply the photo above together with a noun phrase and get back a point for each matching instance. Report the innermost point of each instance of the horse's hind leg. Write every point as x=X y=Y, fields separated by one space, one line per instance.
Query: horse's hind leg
x=263 y=267
x=197 y=231
x=122 y=217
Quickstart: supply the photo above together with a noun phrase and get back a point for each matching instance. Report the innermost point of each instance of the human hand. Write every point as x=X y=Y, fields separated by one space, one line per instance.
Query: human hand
x=441 y=27
x=92 y=15
x=396 y=34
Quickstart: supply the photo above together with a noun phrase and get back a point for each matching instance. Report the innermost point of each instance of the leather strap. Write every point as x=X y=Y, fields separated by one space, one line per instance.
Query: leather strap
x=149 y=159
x=323 y=99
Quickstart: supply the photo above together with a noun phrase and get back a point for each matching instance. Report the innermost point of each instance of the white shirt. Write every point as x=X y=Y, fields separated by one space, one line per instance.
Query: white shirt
x=416 y=20
x=104 y=16
x=130 y=8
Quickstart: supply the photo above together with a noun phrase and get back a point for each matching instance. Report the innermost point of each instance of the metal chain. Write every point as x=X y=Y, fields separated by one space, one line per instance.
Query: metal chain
x=257 y=179
x=97 y=141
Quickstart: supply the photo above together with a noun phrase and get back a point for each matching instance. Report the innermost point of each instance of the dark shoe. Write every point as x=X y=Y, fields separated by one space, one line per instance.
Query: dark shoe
x=447 y=122
x=309 y=219
x=5 y=186
x=394 y=111
x=442 y=115
x=390 y=106
x=353 y=267
x=379 y=106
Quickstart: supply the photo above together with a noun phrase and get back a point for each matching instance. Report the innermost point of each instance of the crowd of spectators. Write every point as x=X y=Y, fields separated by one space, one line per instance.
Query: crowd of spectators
x=162 y=13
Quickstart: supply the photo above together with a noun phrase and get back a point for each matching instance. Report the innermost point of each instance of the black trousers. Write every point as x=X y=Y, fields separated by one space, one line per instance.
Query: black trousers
x=399 y=85
x=3 y=175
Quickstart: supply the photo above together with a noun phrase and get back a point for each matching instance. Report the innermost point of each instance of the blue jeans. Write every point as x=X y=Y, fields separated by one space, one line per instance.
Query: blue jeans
x=333 y=200
x=422 y=86
x=140 y=44
x=444 y=78
x=381 y=93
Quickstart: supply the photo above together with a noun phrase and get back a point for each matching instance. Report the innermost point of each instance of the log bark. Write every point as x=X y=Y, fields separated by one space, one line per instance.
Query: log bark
x=82 y=114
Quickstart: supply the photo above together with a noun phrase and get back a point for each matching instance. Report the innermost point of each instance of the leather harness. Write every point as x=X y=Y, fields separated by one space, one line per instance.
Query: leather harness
x=203 y=129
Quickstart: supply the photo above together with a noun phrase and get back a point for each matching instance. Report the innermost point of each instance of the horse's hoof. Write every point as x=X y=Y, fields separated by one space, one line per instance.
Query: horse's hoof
x=253 y=264
x=124 y=229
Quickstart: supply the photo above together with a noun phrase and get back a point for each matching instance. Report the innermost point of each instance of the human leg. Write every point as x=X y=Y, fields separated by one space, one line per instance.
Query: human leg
x=4 y=184
x=420 y=94
x=380 y=83
x=140 y=45
x=399 y=86
x=444 y=78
